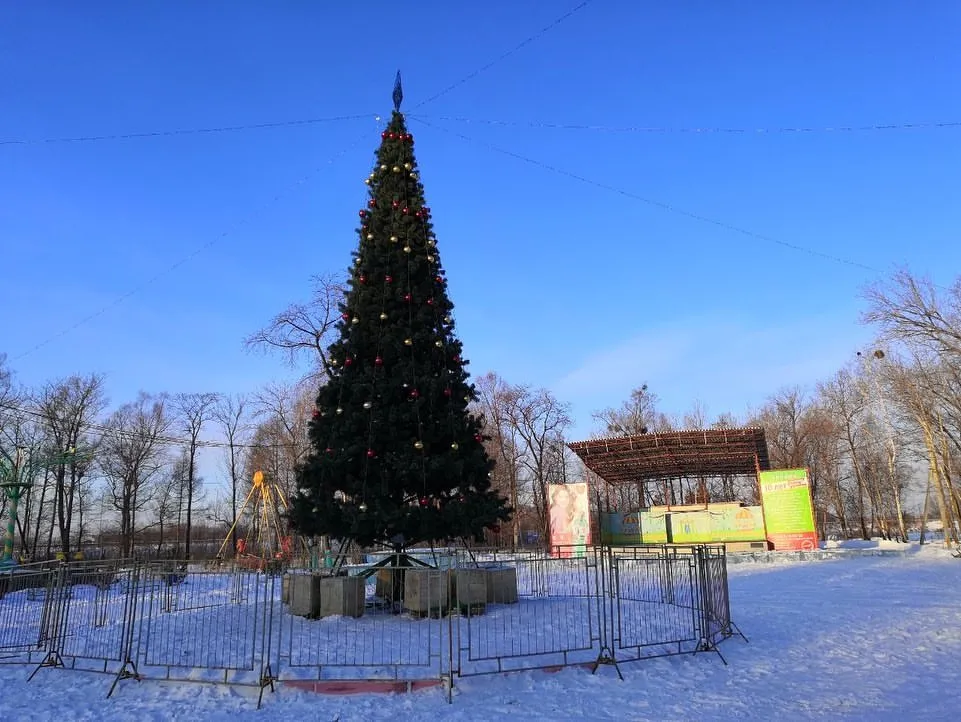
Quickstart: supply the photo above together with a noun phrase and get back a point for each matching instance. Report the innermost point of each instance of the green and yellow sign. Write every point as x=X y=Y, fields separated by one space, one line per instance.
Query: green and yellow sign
x=788 y=511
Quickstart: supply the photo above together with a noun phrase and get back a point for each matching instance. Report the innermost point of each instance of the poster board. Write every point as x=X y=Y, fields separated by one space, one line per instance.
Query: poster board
x=570 y=519
x=788 y=511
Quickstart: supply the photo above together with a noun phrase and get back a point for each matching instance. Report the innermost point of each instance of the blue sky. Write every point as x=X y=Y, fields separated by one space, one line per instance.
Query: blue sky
x=557 y=283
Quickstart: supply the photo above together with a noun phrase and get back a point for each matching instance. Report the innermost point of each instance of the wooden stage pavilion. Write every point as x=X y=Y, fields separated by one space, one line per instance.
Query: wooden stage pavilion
x=669 y=459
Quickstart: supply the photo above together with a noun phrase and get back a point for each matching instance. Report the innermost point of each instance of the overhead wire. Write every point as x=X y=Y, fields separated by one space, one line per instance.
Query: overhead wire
x=506 y=54
x=188 y=131
x=650 y=201
x=196 y=252
x=693 y=130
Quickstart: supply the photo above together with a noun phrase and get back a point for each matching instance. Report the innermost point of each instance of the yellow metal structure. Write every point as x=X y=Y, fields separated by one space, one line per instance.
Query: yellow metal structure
x=266 y=536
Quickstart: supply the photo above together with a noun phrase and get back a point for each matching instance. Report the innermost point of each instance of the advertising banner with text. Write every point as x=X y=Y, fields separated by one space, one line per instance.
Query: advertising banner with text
x=570 y=518
x=788 y=511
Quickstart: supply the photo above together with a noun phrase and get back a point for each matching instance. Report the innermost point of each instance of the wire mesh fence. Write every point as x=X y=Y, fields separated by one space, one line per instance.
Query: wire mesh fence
x=419 y=616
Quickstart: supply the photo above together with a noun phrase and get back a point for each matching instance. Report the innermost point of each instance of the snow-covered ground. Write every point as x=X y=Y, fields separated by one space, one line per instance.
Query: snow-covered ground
x=866 y=638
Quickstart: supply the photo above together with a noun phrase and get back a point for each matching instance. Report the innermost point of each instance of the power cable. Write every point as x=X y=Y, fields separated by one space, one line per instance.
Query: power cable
x=303 y=180
x=188 y=131
x=698 y=130
x=303 y=121
x=193 y=254
x=649 y=201
x=506 y=54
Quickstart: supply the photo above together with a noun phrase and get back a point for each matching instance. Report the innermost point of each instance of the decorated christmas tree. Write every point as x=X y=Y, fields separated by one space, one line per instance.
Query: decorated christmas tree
x=397 y=458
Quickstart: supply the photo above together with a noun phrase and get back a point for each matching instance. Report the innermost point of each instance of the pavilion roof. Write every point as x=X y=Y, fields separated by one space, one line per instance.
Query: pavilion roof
x=673 y=454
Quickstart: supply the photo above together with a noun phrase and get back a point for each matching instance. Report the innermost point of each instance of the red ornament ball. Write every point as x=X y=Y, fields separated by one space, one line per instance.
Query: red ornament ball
x=370 y=454
x=330 y=451
x=423 y=501
x=362 y=279
x=405 y=211
x=384 y=135
x=414 y=393
x=478 y=437
x=372 y=203
x=439 y=279
x=378 y=361
x=388 y=279
x=430 y=301
x=448 y=393
x=418 y=214
x=395 y=204
x=348 y=361
x=407 y=297
x=345 y=316
x=362 y=213
x=316 y=413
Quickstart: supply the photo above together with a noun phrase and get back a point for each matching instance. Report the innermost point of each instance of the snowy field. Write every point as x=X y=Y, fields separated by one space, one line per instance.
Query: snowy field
x=867 y=638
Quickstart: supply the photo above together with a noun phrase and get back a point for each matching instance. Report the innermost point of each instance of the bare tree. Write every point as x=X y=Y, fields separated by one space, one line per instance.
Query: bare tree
x=68 y=408
x=132 y=456
x=638 y=415
x=194 y=411
x=498 y=406
x=304 y=329
x=232 y=414
x=541 y=420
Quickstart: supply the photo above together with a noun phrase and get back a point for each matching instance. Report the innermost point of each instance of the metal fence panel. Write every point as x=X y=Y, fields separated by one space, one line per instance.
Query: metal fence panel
x=25 y=594
x=226 y=624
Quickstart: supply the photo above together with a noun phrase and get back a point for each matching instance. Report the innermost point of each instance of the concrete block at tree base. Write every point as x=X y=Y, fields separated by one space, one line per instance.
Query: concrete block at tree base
x=470 y=588
x=389 y=583
x=501 y=585
x=342 y=596
x=426 y=590
x=304 y=595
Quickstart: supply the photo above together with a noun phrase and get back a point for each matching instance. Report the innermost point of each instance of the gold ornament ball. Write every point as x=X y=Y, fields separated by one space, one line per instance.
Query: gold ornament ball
x=367 y=181
x=408 y=166
x=383 y=167
x=355 y=320
x=396 y=169
x=454 y=446
x=413 y=176
x=447 y=319
x=393 y=239
x=362 y=507
x=367 y=404
x=406 y=249
x=430 y=257
x=340 y=410
x=418 y=444
x=370 y=236
x=438 y=344
x=431 y=242
x=383 y=316
x=408 y=342
x=356 y=261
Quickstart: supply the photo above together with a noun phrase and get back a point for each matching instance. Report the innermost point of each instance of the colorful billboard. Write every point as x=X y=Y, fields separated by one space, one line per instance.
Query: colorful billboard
x=570 y=518
x=788 y=512
x=718 y=523
x=729 y=523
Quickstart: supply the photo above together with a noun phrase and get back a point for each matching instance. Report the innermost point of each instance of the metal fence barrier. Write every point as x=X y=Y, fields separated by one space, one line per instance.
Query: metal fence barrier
x=437 y=616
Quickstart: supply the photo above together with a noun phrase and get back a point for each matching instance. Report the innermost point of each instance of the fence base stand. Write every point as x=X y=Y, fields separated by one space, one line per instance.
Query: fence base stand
x=267 y=679
x=606 y=656
x=127 y=671
x=734 y=631
x=53 y=659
